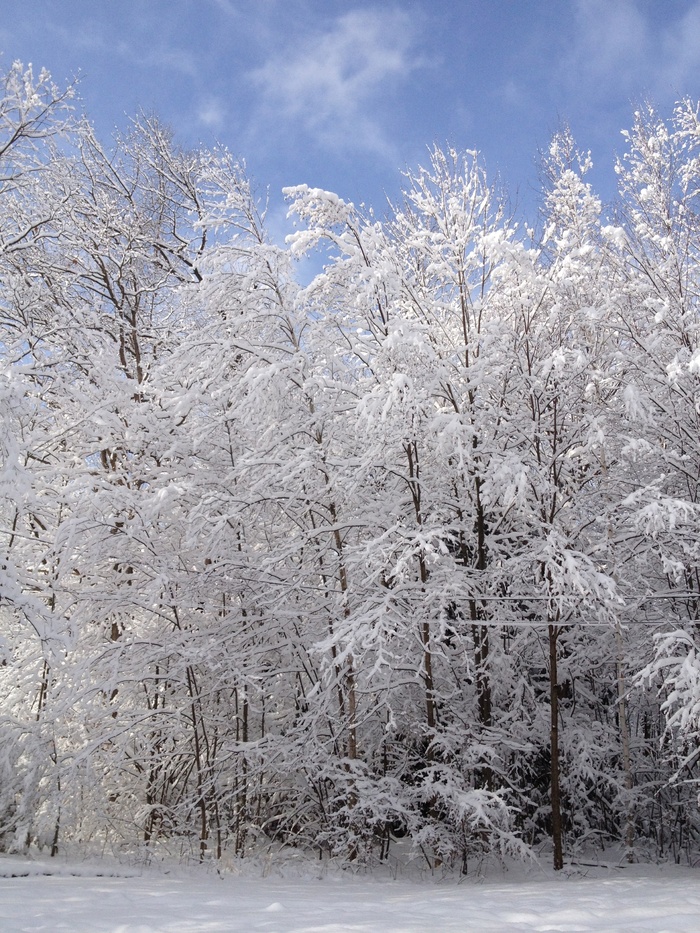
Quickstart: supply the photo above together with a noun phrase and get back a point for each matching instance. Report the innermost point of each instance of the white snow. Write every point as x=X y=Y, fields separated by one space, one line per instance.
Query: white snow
x=93 y=898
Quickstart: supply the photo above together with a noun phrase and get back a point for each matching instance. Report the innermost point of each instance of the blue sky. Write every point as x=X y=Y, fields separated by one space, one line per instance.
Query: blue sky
x=343 y=95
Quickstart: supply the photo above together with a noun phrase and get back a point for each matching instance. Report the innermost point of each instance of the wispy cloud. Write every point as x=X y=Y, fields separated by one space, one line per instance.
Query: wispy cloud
x=623 y=47
x=334 y=83
x=139 y=50
x=226 y=6
x=211 y=113
x=680 y=58
x=612 y=41
x=169 y=60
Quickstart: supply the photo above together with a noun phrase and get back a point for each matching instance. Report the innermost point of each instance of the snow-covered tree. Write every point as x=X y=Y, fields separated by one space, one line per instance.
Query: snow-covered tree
x=376 y=557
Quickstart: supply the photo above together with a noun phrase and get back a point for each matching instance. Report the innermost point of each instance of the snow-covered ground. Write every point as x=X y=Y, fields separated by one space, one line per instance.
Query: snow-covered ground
x=94 y=898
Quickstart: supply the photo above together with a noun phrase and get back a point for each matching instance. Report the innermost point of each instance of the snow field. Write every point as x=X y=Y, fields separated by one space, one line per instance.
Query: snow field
x=80 y=900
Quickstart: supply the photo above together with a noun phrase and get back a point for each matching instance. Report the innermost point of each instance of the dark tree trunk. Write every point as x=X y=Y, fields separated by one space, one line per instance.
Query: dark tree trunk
x=554 y=749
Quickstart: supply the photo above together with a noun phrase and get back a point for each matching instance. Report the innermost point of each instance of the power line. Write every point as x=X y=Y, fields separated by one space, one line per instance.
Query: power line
x=553 y=598
x=577 y=623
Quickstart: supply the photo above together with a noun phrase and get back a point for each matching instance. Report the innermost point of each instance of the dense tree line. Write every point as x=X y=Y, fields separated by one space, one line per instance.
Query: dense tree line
x=409 y=552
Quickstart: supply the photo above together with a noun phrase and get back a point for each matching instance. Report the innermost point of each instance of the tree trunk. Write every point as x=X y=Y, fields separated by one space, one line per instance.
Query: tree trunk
x=625 y=742
x=555 y=794
x=431 y=708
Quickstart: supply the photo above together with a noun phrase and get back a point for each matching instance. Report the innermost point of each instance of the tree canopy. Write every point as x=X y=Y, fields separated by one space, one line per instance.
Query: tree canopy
x=411 y=551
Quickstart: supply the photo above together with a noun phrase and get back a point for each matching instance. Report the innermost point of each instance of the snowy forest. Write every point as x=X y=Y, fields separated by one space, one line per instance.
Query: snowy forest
x=405 y=554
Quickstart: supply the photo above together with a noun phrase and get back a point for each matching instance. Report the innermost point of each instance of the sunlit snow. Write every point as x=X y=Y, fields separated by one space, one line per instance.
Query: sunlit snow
x=93 y=898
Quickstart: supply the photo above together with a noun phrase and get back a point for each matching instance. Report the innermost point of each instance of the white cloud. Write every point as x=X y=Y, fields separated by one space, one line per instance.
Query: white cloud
x=627 y=48
x=332 y=83
x=175 y=60
x=612 y=43
x=680 y=57
x=226 y=7
x=211 y=113
x=138 y=47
